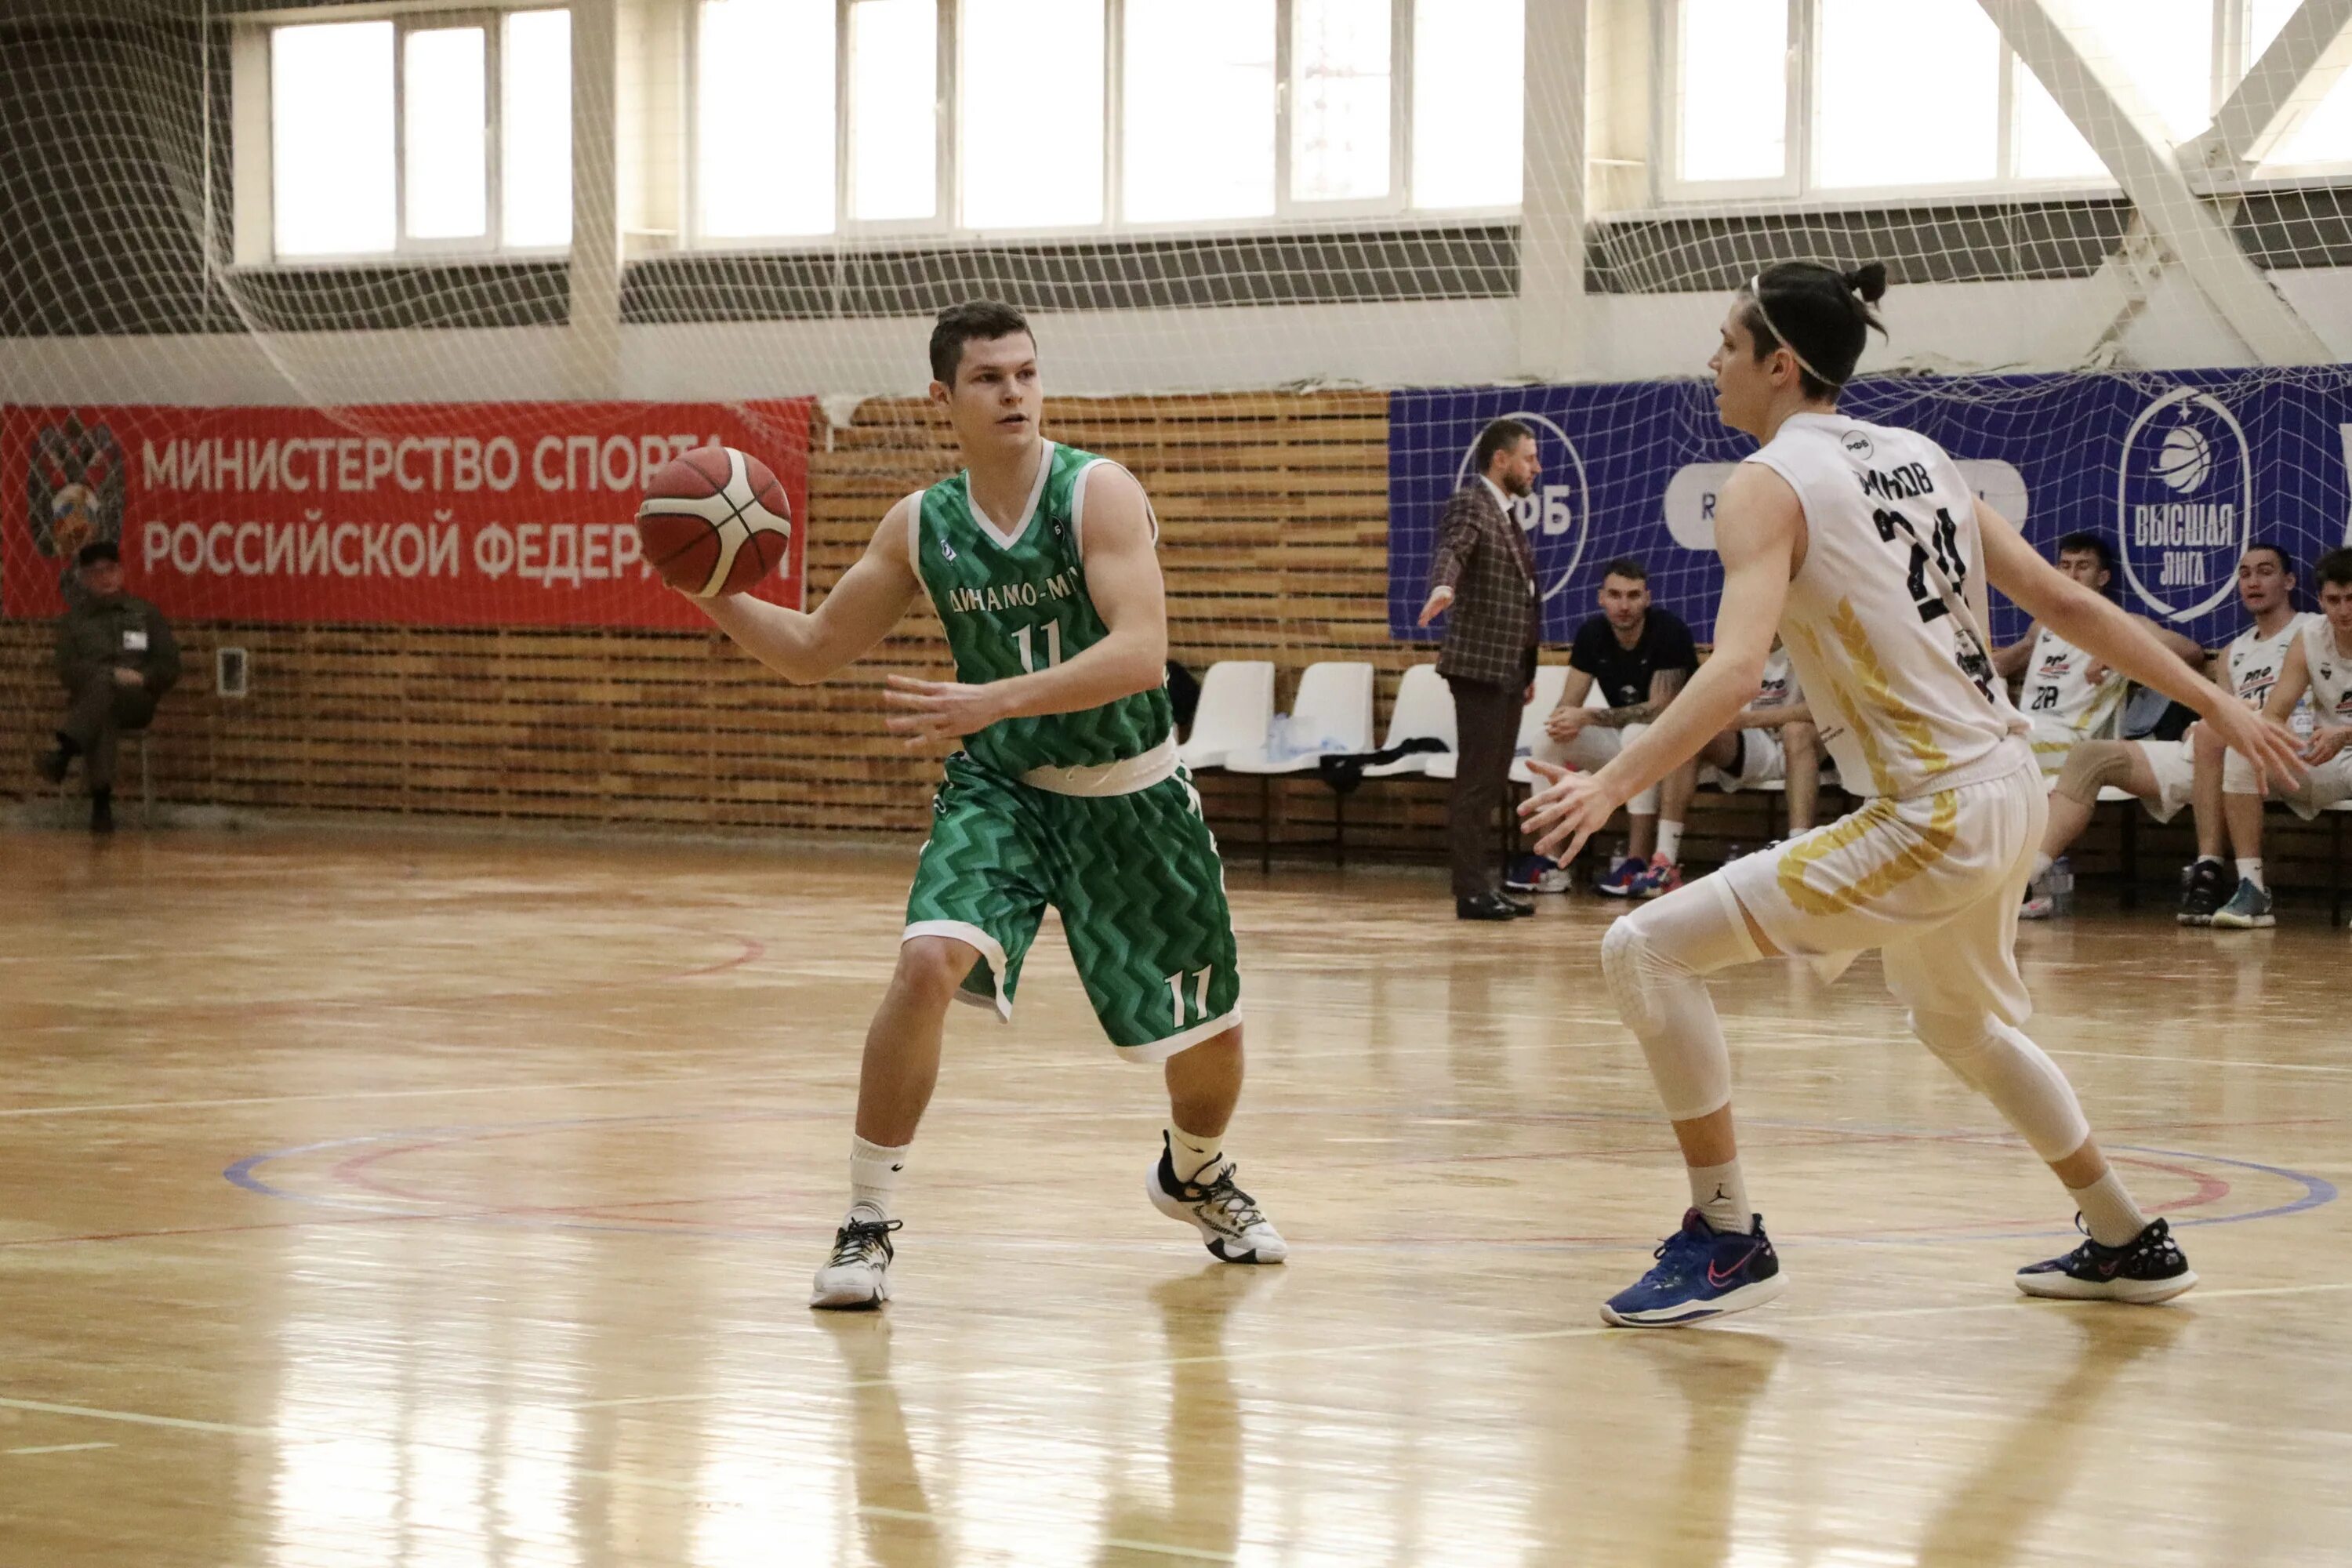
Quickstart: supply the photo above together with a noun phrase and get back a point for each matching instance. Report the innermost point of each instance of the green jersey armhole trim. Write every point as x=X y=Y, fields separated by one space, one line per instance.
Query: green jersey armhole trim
x=915 y=536
x=979 y=514
x=1078 y=504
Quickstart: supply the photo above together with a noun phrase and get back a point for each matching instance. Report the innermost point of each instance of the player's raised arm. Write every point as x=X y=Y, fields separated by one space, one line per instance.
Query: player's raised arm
x=1122 y=579
x=859 y=612
x=1758 y=525
x=2114 y=638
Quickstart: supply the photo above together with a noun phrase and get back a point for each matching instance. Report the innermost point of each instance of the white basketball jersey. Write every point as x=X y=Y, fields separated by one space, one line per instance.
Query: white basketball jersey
x=2331 y=674
x=2255 y=662
x=1885 y=619
x=2059 y=694
x=1781 y=687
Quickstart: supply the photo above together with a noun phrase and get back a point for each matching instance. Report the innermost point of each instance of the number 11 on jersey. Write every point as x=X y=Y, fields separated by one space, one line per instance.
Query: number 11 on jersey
x=1200 y=995
x=1052 y=646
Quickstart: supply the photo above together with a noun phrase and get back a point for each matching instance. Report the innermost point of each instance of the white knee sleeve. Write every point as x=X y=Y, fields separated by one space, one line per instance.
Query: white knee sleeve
x=1646 y=803
x=2023 y=1084
x=2238 y=775
x=1653 y=961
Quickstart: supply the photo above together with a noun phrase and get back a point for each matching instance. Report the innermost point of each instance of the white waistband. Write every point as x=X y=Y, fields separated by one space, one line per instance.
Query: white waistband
x=1124 y=776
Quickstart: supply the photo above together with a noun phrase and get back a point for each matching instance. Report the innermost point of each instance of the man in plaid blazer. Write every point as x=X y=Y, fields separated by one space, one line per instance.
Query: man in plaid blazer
x=1484 y=575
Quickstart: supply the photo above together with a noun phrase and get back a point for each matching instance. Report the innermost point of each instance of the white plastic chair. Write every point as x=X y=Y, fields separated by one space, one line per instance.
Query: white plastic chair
x=1236 y=705
x=1552 y=681
x=1423 y=712
x=1335 y=702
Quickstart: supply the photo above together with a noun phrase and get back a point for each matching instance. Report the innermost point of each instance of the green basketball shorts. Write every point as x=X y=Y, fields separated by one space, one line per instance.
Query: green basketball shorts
x=1138 y=882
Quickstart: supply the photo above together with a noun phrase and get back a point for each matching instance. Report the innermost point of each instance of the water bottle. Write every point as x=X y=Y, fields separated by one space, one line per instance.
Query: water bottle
x=2062 y=886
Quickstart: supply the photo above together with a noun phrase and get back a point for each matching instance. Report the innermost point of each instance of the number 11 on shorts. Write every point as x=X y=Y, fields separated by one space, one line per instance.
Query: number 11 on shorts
x=1200 y=995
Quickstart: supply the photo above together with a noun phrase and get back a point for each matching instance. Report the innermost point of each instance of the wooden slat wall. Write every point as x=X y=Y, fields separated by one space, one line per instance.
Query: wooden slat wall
x=1274 y=509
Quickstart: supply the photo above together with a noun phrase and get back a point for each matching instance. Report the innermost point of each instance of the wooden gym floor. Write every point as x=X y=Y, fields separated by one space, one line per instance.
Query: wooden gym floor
x=390 y=1199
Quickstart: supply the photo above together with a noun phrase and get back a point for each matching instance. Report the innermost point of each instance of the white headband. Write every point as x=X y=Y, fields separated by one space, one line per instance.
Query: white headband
x=1756 y=292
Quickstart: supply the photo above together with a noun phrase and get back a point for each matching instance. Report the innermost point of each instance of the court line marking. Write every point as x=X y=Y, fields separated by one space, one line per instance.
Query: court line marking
x=52 y=1448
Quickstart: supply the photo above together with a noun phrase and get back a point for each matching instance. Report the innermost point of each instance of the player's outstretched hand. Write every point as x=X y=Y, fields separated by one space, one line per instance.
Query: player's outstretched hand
x=2269 y=746
x=929 y=711
x=1568 y=810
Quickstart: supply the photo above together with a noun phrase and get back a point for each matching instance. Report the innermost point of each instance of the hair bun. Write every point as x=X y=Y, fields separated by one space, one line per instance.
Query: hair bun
x=1869 y=280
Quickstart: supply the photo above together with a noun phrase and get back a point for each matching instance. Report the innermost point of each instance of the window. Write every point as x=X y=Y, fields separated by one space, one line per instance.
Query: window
x=1732 y=109
x=1339 y=95
x=1468 y=84
x=1198 y=114
x=444 y=80
x=333 y=175
x=894 y=89
x=1874 y=126
x=367 y=160
x=1030 y=106
x=2163 y=48
x=763 y=118
x=535 y=130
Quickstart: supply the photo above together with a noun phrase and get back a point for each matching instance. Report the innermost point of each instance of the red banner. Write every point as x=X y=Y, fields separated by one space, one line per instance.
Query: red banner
x=448 y=515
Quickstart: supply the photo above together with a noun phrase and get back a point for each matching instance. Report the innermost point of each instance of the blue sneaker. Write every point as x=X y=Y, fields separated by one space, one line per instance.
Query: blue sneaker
x=2148 y=1268
x=1623 y=879
x=1525 y=871
x=1701 y=1273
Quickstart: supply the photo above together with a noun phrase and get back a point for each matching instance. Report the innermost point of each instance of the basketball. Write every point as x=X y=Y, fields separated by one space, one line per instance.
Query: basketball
x=714 y=522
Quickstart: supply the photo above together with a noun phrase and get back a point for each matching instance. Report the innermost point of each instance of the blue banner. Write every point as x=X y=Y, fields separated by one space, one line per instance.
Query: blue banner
x=2178 y=472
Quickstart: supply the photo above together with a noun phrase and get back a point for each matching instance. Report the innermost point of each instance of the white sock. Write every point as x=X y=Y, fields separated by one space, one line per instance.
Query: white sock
x=1721 y=1198
x=2041 y=864
x=2108 y=1212
x=874 y=1176
x=1670 y=842
x=2251 y=871
x=1193 y=1154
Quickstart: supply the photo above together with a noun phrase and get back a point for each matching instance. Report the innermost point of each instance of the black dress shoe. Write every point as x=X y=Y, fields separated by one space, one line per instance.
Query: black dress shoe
x=1520 y=909
x=1486 y=906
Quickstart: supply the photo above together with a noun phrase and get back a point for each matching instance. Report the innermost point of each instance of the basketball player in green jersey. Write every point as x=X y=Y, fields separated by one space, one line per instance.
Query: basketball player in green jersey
x=1067 y=790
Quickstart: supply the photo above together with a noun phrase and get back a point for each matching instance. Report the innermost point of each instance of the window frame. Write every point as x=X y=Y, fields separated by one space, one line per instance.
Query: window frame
x=257 y=33
x=1799 y=189
x=947 y=229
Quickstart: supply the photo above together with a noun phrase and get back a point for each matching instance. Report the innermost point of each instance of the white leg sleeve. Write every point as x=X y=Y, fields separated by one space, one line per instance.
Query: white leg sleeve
x=1646 y=803
x=2023 y=1084
x=2238 y=775
x=1653 y=960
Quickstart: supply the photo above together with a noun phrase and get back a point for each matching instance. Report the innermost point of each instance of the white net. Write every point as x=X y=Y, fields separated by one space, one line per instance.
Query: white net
x=289 y=313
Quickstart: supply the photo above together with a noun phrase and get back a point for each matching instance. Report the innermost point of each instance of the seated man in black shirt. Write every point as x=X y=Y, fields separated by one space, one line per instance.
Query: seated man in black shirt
x=1640 y=657
x=116 y=659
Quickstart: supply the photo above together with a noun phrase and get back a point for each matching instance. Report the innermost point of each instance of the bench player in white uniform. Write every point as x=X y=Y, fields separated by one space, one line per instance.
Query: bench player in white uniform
x=1871 y=555
x=2167 y=775
x=2068 y=696
x=2317 y=669
x=1772 y=741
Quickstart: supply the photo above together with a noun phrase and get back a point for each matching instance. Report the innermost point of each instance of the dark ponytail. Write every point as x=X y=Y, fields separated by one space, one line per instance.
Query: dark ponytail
x=1822 y=316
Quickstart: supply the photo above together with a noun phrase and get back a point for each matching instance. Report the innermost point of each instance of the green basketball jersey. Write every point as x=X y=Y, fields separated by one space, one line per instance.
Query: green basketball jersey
x=1016 y=603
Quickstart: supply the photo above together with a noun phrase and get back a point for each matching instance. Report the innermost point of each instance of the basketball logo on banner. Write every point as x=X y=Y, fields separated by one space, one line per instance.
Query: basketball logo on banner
x=1556 y=513
x=2185 y=503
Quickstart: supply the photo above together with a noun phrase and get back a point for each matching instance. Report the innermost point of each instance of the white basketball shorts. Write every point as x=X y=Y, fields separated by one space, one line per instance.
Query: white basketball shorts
x=2325 y=785
x=1934 y=883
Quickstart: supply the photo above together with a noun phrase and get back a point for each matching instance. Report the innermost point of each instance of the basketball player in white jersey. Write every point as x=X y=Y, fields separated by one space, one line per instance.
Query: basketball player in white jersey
x=1867 y=551
x=2068 y=696
x=2317 y=668
x=1772 y=741
x=2168 y=774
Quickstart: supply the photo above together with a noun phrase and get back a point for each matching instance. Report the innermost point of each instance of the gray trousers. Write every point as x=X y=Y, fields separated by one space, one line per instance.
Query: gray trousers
x=100 y=710
x=1485 y=723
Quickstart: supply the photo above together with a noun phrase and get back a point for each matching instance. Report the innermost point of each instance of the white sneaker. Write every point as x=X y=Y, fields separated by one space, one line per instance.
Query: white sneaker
x=1226 y=1216
x=2040 y=906
x=857 y=1275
